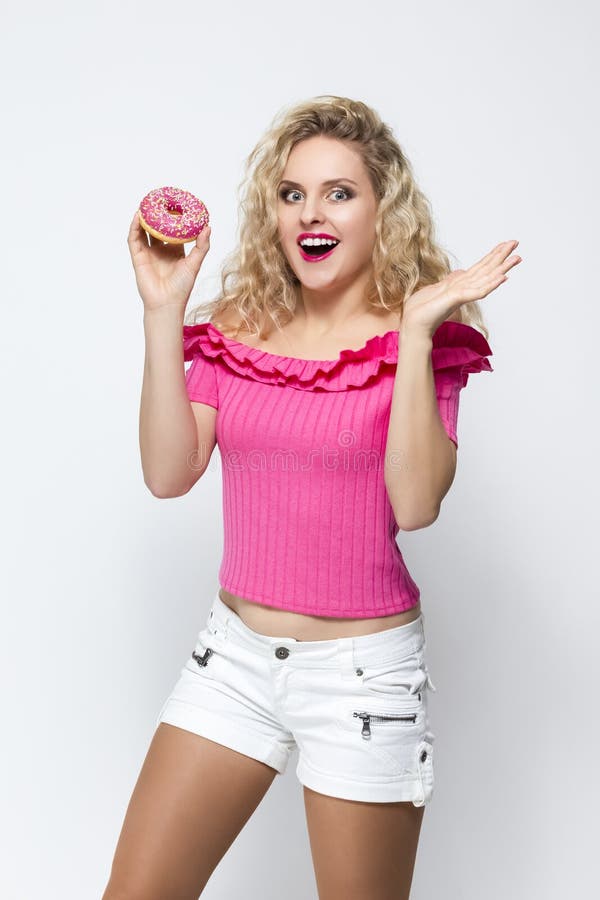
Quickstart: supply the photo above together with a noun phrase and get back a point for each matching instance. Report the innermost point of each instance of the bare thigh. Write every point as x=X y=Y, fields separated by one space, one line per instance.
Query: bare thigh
x=191 y=800
x=362 y=849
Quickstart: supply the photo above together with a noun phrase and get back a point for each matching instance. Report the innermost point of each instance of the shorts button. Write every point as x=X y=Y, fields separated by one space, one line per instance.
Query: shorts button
x=423 y=755
x=282 y=652
x=359 y=671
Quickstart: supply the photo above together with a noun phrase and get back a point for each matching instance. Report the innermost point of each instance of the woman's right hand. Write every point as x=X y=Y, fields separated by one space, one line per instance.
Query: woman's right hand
x=164 y=275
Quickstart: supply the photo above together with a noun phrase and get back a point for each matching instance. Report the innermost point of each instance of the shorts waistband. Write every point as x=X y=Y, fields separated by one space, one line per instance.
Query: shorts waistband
x=346 y=653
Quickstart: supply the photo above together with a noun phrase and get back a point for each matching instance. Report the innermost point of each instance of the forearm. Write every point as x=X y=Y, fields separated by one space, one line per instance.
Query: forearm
x=167 y=428
x=420 y=459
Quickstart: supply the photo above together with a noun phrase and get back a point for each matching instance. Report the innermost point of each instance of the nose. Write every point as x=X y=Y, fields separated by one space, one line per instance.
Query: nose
x=311 y=211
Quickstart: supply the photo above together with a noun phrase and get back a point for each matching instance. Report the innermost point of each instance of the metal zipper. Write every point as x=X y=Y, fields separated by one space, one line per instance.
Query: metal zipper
x=368 y=717
x=202 y=660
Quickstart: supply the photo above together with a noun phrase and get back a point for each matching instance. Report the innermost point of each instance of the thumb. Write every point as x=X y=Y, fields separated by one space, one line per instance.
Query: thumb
x=196 y=255
x=203 y=239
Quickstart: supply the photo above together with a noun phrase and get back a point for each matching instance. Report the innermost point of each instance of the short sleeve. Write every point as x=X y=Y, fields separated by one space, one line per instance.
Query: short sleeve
x=447 y=388
x=458 y=349
x=201 y=377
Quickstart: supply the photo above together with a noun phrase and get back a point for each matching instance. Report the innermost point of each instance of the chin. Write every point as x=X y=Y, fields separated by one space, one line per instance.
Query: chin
x=319 y=284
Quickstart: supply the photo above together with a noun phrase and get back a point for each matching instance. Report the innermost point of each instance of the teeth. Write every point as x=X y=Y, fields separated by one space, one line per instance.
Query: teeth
x=316 y=242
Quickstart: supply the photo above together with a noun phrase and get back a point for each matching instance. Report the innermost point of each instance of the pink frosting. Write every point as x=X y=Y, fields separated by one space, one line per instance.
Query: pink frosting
x=174 y=213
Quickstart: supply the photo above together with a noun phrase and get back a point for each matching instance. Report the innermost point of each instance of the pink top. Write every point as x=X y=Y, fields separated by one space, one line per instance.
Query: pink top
x=308 y=525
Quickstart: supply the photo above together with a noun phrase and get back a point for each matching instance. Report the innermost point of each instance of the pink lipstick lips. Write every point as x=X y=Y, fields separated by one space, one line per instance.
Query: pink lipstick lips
x=314 y=254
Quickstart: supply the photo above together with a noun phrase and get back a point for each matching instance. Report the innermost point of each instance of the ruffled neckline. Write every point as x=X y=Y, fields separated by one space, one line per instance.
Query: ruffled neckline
x=454 y=344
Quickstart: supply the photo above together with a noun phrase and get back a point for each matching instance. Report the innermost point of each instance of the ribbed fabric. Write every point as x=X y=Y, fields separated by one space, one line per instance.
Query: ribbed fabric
x=308 y=525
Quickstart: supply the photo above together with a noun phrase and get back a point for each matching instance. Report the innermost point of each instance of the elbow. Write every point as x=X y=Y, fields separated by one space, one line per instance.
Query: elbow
x=165 y=492
x=414 y=523
x=166 y=486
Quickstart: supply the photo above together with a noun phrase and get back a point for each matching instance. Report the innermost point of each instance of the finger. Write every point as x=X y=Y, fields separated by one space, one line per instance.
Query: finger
x=199 y=250
x=501 y=268
x=510 y=263
x=483 y=282
x=495 y=256
x=482 y=288
x=203 y=240
x=136 y=238
x=204 y=237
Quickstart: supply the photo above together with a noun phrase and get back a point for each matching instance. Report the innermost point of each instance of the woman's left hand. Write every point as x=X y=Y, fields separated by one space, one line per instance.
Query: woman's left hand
x=425 y=310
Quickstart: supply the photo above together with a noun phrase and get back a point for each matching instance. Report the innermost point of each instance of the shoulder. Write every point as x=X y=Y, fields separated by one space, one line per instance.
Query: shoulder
x=228 y=322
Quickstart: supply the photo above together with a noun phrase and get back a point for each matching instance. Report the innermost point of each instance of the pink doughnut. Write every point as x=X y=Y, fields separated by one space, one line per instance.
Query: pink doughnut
x=172 y=215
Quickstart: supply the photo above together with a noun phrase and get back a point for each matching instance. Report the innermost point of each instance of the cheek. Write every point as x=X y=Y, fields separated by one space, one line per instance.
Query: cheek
x=282 y=228
x=362 y=240
x=357 y=228
x=286 y=237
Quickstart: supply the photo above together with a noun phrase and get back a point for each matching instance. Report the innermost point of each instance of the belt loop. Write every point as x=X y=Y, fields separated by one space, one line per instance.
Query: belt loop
x=345 y=653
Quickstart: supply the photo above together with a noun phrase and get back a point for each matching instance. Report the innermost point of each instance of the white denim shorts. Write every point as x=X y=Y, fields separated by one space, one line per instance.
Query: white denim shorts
x=355 y=707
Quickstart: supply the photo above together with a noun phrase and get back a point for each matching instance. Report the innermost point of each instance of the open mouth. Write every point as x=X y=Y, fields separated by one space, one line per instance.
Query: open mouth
x=316 y=252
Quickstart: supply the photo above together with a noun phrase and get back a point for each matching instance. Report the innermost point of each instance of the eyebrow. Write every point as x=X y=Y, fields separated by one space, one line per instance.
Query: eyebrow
x=325 y=183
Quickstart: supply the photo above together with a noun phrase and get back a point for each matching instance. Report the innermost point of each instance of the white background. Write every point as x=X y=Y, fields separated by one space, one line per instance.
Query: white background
x=105 y=586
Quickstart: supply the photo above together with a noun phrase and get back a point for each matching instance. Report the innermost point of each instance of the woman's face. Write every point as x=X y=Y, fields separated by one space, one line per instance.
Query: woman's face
x=325 y=189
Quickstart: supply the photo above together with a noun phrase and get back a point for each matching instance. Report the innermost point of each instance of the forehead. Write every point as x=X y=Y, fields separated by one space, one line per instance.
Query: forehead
x=320 y=157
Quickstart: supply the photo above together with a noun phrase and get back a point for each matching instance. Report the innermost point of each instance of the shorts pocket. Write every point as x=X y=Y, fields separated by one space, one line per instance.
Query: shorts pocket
x=389 y=729
x=368 y=717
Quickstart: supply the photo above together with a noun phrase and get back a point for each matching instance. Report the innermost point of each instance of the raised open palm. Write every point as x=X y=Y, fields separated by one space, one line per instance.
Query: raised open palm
x=427 y=308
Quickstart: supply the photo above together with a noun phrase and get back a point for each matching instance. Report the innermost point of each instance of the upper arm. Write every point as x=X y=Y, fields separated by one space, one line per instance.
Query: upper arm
x=456 y=353
x=448 y=474
x=202 y=389
x=206 y=418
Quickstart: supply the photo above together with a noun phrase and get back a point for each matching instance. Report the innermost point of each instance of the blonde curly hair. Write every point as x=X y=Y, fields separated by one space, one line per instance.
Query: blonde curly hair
x=257 y=283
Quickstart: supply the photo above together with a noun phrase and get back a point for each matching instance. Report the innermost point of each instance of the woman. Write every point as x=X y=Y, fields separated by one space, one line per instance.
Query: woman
x=329 y=373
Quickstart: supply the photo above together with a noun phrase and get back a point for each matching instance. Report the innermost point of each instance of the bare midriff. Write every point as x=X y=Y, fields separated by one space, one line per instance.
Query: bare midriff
x=283 y=623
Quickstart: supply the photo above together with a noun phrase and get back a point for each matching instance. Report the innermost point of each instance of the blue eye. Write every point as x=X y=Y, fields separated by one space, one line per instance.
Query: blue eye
x=341 y=190
x=283 y=194
x=286 y=191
